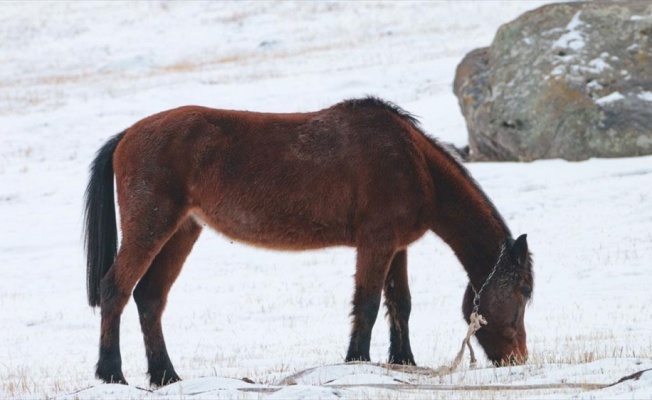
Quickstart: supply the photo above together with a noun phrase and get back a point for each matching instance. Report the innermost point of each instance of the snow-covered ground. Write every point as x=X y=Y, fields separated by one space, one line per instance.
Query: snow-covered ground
x=74 y=73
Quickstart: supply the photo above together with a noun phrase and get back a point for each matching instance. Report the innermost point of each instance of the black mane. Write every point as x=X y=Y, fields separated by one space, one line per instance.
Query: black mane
x=376 y=102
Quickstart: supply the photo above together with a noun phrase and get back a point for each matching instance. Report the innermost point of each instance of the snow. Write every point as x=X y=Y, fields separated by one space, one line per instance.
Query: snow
x=572 y=38
x=597 y=66
x=610 y=98
x=75 y=73
x=645 y=96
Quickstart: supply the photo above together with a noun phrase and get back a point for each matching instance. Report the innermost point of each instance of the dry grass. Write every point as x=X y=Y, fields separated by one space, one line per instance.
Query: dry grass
x=587 y=354
x=192 y=66
x=63 y=79
x=19 y=382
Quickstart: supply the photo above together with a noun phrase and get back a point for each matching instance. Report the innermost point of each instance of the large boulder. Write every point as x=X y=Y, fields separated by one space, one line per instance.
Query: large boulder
x=567 y=80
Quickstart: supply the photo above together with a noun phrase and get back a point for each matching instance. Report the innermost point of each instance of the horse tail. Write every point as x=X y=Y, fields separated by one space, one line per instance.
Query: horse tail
x=100 y=228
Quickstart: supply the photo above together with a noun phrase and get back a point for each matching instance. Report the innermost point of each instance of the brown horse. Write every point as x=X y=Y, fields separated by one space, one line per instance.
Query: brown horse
x=360 y=173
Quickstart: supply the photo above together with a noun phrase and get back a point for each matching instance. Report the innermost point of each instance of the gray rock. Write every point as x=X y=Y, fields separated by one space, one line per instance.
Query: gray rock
x=567 y=80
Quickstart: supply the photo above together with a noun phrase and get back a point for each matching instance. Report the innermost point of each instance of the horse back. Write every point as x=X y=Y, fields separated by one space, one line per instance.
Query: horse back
x=293 y=181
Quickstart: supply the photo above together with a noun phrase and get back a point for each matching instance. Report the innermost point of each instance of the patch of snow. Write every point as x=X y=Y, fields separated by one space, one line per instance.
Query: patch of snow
x=559 y=70
x=610 y=98
x=597 y=65
x=594 y=85
x=645 y=96
x=573 y=38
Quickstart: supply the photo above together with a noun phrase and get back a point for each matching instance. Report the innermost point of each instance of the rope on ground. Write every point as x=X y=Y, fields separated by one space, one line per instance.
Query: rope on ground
x=407 y=386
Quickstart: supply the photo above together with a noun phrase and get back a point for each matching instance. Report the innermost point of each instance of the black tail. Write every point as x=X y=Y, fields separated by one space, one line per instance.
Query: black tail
x=100 y=228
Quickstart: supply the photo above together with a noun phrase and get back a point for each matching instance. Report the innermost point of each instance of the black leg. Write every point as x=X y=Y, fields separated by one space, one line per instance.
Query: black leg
x=399 y=305
x=371 y=269
x=109 y=365
x=151 y=296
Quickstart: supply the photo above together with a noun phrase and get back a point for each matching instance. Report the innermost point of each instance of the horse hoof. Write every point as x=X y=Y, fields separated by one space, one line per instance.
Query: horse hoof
x=163 y=379
x=357 y=359
x=402 y=361
x=111 y=377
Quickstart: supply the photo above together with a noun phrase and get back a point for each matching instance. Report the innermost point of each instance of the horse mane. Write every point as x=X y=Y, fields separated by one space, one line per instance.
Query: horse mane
x=376 y=102
x=443 y=149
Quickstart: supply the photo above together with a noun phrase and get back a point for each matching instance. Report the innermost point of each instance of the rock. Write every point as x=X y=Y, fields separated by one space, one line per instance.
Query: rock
x=567 y=80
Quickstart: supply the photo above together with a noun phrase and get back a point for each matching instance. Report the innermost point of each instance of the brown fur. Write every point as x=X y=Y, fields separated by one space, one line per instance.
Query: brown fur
x=359 y=174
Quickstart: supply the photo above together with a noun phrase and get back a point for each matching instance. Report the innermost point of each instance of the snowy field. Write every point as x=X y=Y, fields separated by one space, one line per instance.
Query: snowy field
x=74 y=73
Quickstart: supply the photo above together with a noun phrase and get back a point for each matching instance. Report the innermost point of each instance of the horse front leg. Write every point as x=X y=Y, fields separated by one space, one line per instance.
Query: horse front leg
x=399 y=305
x=371 y=268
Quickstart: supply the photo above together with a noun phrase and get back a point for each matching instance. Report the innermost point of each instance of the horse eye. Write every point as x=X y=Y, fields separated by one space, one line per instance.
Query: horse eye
x=526 y=291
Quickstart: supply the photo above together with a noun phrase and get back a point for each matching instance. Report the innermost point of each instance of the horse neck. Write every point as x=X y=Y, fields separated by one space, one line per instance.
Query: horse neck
x=464 y=217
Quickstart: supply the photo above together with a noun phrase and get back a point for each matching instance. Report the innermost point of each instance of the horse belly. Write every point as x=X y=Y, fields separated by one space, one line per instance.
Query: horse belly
x=274 y=228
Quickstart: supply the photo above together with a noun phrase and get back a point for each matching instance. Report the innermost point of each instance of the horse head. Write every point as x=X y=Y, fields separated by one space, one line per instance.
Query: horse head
x=501 y=300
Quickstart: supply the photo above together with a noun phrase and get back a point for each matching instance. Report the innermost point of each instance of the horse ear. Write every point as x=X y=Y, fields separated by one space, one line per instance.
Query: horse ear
x=519 y=251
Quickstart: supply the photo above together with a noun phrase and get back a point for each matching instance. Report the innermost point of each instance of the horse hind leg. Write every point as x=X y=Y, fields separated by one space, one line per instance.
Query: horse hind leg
x=141 y=242
x=371 y=268
x=399 y=306
x=151 y=297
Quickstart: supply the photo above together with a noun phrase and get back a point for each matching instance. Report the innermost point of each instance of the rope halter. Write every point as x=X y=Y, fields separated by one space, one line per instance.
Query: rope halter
x=476 y=321
x=477 y=293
